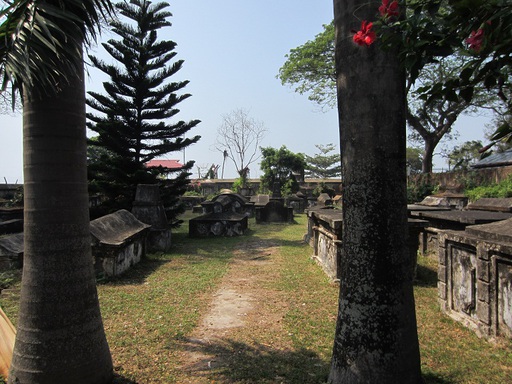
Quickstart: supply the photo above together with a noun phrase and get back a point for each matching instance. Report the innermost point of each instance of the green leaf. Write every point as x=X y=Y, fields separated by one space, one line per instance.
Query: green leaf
x=467 y=94
x=502 y=131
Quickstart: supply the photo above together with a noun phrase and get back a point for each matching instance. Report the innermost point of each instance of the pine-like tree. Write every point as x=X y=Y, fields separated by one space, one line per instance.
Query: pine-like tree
x=135 y=121
x=323 y=165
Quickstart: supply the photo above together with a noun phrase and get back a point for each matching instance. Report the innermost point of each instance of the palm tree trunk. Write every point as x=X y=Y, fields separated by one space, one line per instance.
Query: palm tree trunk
x=376 y=338
x=60 y=336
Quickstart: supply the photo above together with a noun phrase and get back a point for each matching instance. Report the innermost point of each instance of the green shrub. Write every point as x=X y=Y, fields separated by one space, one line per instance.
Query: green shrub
x=416 y=192
x=501 y=190
x=323 y=188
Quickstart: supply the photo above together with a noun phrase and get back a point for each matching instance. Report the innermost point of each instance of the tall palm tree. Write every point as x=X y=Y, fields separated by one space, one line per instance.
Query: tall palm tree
x=60 y=336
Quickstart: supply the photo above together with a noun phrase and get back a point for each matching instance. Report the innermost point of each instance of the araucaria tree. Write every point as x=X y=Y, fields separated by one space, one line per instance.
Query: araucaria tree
x=136 y=115
x=238 y=138
x=325 y=164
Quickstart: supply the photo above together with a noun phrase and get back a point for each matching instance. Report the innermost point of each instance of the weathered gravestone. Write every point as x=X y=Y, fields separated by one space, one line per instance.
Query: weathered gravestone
x=118 y=242
x=225 y=215
x=475 y=277
x=149 y=209
x=274 y=212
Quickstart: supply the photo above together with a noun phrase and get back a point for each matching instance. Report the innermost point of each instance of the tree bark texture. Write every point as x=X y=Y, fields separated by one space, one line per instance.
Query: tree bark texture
x=60 y=336
x=376 y=338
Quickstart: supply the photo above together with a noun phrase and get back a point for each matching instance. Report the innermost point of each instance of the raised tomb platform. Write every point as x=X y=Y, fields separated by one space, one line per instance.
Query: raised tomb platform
x=225 y=215
x=118 y=242
x=324 y=235
x=444 y=217
x=475 y=277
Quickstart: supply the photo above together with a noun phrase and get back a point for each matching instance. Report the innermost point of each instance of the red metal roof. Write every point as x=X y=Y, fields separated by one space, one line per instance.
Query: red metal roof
x=172 y=164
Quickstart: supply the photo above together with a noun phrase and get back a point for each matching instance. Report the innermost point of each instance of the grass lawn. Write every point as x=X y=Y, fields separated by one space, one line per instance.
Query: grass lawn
x=153 y=308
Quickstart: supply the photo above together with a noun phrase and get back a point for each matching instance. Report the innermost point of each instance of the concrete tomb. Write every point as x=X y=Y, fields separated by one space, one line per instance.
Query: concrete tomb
x=297 y=201
x=274 y=212
x=11 y=220
x=324 y=235
x=475 y=277
x=149 y=209
x=324 y=200
x=225 y=215
x=442 y=218
x=118 y=242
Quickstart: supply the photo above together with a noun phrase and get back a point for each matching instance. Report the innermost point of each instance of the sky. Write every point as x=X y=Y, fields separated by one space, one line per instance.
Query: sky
x=232 y=52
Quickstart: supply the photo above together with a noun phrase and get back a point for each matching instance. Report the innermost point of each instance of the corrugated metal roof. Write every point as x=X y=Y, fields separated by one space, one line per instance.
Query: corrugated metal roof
x=495 y=160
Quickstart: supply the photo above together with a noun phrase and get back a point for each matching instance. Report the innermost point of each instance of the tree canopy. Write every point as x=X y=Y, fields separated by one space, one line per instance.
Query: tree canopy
x=310 y=68
x=437 y=93
x=464 y=155
x=324 y=164
x=282 y=170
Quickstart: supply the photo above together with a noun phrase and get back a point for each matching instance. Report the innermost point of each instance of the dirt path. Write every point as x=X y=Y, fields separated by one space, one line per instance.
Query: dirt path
x=233 y=323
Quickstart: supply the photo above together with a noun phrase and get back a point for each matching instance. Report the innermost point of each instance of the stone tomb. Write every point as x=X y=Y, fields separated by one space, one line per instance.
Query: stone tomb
x=149 y=209
x=475 y=277
x=225 y=215
x=324 y=235
x=228 y=202
x=297 y=201
x=274 y=212
x=118 y=242
x=260 y=200
x=439 y=218
x=11 y=251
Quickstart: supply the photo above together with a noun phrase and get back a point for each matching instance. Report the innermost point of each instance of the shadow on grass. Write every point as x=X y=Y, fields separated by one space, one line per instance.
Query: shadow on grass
x=233 y=361
x=137 y=273
x=425 y=277
x=122 y=380
x=432 y=378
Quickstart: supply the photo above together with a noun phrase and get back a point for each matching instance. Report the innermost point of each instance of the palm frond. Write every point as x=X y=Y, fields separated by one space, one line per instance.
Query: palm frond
x=41 y=41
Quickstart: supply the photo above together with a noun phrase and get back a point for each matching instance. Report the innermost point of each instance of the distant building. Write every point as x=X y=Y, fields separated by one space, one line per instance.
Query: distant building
x=172 y=165
x=500 y=159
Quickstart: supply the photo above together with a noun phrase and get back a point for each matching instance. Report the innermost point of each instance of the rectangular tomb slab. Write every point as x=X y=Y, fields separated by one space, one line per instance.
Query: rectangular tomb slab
x=218 y=224
x=500 y=231
x=492 y=204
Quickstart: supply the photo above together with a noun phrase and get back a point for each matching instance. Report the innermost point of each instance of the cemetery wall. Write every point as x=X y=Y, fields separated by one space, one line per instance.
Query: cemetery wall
x=456 y=179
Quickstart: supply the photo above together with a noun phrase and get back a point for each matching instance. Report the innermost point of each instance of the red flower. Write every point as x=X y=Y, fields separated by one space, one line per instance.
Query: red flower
x=365 y=36
x=476 y=40
x=388 y=10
